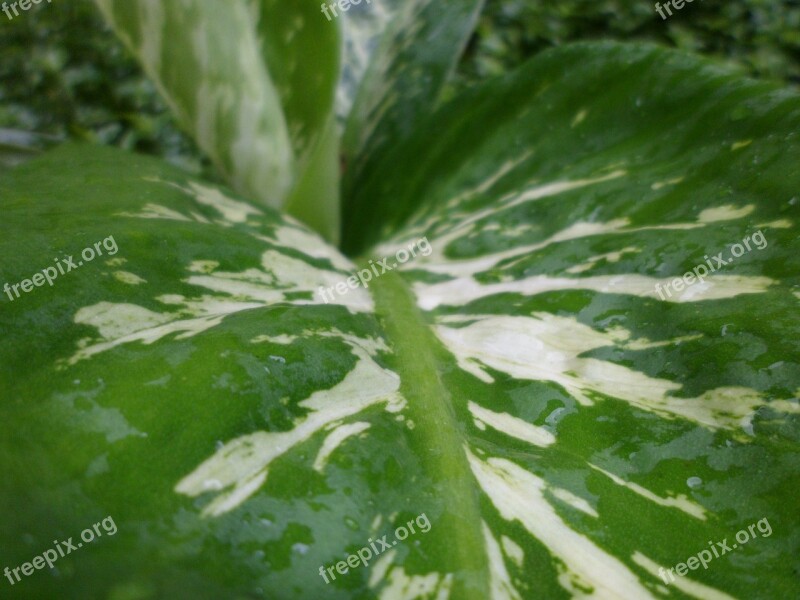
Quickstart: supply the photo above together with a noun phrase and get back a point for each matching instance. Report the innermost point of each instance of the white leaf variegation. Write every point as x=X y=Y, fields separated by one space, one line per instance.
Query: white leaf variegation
x=221 y=93
x=565 y=430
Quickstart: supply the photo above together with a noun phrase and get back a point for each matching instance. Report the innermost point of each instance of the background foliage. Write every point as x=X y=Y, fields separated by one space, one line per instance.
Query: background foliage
x=763 y=36
x=64 y=74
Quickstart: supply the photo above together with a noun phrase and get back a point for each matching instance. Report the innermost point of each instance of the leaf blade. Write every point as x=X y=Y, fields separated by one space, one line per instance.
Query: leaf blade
x=416 y=54
x=250 y=105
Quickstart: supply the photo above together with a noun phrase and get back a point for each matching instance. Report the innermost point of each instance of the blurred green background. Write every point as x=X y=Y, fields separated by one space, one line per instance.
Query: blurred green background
x=63 y=74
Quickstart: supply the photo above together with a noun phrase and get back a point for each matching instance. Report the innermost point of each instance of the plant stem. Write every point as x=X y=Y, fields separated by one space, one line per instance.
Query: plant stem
x=418 y=358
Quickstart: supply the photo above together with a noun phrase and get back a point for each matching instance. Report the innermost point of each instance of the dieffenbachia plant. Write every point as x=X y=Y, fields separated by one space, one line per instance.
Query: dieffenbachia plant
x=567 y=429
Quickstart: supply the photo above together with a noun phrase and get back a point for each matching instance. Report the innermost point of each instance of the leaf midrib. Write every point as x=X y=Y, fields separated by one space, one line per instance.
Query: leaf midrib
x=417 y=355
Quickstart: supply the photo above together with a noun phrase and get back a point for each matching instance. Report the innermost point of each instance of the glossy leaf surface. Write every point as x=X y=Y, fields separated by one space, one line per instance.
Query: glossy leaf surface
x=566 y=429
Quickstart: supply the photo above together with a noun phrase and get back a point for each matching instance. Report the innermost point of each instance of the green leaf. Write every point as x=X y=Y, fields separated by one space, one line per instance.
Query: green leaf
x=290 y=158
x=198 y=324
x=659 y=104
x=613 y=425
x=250 y=105
x=297 y=41
x=519 y=383
x=405 y=74
x=362 y=28
x=301 y=51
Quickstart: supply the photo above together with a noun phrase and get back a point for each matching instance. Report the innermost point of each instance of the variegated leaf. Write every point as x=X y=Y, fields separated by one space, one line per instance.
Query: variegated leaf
x=236 y=75
x=362 y=28
x=407 y=69
x=565 y=430
x=196 y=333
x=612 y=422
